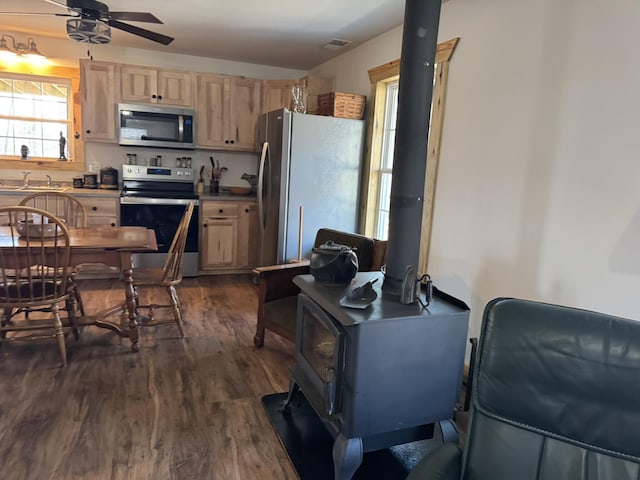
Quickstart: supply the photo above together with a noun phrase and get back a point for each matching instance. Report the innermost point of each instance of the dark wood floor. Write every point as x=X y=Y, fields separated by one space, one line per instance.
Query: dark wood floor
x=178 y=409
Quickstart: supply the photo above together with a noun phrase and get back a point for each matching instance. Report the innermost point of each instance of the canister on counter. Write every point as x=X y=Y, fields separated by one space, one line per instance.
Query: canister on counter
x=90 y=180
x=78 y=182
x=109 y=178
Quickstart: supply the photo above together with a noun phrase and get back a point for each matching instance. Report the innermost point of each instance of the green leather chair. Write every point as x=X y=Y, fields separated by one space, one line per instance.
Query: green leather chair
x=556 y=395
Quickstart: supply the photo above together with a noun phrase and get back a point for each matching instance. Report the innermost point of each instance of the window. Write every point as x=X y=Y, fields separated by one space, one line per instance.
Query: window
x=40 y=109
x=35 y=117
x=378 y=171
x=386 y=161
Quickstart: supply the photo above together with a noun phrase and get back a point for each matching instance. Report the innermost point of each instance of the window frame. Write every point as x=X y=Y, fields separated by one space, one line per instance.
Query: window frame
x=75 y=146
x=380 y=77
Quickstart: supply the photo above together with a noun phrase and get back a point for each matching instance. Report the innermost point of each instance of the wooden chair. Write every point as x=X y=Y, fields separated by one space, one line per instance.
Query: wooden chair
x=64 y=206
x=69 y=209
x=34 y=273
x=167 y=277
x=278 y=296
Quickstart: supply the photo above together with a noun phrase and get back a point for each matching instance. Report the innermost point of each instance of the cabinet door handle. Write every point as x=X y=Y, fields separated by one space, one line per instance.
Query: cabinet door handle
x=246 y=210
x=153 y=96
x=113 y=224
x=88 y=132
x=94 y=208
x=204 y=226
x=159 y=97
x=221 y=211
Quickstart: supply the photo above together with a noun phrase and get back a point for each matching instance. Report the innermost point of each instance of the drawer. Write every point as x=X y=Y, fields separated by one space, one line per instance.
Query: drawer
x=100 y=207
x=101 y=221
x=219 y=209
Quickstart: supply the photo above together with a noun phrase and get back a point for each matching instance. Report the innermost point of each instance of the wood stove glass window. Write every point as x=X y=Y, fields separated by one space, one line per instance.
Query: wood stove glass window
x=320 y=343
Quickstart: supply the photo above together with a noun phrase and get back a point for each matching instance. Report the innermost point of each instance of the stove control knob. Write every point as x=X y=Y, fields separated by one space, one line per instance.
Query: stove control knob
x=178 y=173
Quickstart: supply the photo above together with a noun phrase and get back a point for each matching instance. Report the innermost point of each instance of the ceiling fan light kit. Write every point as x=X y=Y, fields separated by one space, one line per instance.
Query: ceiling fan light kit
x=91 y=22
x=88 y=31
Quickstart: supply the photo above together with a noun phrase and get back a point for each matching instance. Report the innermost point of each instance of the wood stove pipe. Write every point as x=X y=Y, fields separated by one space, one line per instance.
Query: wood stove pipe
x=415 y=91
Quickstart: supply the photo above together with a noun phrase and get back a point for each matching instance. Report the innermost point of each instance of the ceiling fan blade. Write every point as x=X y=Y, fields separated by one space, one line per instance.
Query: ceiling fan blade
x=40 y=14
x=55 y=2
x=141 y=32
x=135 y=17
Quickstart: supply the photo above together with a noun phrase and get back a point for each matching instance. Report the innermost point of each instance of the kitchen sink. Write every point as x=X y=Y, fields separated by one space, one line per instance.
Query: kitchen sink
x=39 y=188
x=32 y=188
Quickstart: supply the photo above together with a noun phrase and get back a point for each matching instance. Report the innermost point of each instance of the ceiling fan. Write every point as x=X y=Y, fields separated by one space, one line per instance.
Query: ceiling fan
x=91 y=21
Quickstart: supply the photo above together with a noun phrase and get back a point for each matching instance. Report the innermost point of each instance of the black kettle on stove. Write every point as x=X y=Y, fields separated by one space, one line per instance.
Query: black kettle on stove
x=333 y=263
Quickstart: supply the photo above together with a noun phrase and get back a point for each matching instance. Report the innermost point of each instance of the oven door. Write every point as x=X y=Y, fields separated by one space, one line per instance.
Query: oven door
x=163 y=215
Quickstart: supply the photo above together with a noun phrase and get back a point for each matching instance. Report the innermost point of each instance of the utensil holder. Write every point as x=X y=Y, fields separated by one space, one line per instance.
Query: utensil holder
x=214 y=187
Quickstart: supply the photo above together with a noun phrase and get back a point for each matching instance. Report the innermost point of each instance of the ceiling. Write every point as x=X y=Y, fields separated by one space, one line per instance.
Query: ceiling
x=282 y=33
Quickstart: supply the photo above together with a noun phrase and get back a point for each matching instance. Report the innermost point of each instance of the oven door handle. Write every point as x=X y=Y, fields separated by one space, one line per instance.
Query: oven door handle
x=156 y=201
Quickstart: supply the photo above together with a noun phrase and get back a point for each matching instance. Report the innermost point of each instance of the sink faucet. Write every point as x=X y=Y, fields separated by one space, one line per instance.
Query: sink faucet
x=48 y=180
x=25 y=178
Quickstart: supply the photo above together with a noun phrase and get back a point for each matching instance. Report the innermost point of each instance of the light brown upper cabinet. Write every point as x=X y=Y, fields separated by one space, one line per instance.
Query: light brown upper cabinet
x=99 y=84
x=228 y=109
x=151 y=85
x=277 y=93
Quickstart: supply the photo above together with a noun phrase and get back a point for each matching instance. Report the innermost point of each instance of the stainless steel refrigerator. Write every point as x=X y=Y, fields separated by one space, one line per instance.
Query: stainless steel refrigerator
x=308 y=161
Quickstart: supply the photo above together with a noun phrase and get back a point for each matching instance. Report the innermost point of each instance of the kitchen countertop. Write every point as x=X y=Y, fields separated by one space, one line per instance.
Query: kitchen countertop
x=100 y=192
x=94 y=192
x=227 y=197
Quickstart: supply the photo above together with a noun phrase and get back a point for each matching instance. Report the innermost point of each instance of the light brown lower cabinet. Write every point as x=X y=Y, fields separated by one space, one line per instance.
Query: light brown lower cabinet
x=228 y=236
x=101 y=211
x=219 y=242
x=247 y=235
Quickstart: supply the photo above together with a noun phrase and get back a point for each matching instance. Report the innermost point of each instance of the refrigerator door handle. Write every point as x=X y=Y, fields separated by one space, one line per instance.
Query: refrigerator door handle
x=262 y=217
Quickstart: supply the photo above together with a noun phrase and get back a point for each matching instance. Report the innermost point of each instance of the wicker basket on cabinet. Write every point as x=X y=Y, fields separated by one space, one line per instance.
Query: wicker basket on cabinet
x=343 y=105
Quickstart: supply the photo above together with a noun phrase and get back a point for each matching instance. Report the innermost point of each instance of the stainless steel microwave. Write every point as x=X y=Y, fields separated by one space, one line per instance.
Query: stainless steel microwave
x=156 y=126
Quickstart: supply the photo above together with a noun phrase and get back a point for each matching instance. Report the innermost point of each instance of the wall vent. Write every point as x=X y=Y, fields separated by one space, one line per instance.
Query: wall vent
x=336 y=44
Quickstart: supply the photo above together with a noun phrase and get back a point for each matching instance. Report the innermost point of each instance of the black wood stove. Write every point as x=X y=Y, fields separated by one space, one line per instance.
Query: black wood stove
x=379 y=376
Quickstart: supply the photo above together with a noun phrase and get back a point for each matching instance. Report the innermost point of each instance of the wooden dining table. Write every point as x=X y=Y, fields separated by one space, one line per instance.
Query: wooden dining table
x=111 y=246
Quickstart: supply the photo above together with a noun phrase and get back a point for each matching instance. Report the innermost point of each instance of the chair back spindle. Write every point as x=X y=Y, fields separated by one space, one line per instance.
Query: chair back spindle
x=62 y=205
x=34 y=269
x=172 y=268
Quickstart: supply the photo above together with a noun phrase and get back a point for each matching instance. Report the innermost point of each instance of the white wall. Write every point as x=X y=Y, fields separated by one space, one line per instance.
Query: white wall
x=537 y=194
x=64 y=52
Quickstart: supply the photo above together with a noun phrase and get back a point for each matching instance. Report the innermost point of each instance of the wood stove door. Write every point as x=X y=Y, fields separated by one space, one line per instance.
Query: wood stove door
x=319 y=352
